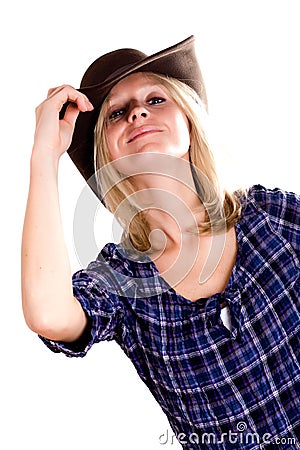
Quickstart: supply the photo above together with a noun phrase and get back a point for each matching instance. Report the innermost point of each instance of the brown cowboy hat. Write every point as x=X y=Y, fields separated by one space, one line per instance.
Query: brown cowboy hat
x=178 y=61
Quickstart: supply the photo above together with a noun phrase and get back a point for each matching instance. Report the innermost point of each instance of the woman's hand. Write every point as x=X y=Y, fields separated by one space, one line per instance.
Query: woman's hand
x=54 y=135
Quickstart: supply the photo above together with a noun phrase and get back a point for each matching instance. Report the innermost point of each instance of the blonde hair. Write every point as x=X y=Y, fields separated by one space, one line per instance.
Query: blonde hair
x=223 y=209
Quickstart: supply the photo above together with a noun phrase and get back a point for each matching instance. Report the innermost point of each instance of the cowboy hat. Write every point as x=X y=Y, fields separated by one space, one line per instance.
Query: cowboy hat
x=178 y=61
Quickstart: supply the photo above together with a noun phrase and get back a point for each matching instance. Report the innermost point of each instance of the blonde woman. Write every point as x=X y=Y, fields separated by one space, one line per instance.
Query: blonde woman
x=202 y=292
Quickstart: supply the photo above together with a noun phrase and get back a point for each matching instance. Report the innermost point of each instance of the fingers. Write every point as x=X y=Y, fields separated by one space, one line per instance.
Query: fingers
x=60 y=95
x=50 y=91
x=71 y=114
x=53 y=132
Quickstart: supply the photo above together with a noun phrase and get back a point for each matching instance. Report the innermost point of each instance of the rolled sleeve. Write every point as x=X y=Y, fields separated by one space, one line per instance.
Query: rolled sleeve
x=104 y=312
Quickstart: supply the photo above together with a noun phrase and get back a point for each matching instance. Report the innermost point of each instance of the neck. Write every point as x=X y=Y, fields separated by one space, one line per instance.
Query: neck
x=169 y=200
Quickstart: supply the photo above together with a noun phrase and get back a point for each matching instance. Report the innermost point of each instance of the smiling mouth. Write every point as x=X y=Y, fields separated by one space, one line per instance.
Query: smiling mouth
x=142 y=134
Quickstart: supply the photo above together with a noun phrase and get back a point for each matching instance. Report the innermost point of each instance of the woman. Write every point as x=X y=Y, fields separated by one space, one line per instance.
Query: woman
x=202 y=293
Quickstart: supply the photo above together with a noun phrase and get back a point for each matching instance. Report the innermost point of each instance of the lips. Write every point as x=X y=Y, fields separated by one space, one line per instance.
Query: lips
x=141 y=131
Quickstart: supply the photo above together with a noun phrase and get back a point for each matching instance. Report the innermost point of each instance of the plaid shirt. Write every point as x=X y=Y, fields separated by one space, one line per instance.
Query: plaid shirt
x=220 y=389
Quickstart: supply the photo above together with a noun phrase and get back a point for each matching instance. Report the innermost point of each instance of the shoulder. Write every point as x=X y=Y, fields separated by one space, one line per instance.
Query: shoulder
x=112 y=255
x=278 y=203
x=268 y=198
x=278 y=207
x=124 y=260
x=118 y=266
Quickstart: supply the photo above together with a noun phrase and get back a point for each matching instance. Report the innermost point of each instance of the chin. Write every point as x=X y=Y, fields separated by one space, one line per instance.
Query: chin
x=147 y=161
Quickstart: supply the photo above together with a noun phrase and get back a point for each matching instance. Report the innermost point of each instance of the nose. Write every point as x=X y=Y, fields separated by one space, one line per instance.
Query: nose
x=137 y=112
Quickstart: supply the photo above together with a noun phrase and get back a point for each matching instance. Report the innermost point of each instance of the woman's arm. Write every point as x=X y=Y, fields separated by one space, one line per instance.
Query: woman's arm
x=47 y=296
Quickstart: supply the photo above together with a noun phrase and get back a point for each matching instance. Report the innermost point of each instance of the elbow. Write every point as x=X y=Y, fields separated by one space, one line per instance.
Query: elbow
x=54 y=322
x=44 y=323
x=41 y=325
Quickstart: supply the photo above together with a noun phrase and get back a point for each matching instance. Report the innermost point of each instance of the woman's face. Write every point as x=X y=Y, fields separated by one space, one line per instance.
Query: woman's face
x=143 y=118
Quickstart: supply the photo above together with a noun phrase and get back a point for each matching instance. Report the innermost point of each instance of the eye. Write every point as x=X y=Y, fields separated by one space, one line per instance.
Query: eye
x=116 y=114
x=156 y=100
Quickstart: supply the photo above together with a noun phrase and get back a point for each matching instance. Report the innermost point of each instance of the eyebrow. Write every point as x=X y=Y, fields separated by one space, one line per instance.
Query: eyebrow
x=112 y=96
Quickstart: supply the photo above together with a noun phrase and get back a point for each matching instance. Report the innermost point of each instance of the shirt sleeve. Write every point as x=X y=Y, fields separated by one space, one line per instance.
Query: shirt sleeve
x=283 y=209
x=104 y=311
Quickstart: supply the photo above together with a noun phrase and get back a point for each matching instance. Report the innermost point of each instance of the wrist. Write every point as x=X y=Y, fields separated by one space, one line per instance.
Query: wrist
x=43 y=161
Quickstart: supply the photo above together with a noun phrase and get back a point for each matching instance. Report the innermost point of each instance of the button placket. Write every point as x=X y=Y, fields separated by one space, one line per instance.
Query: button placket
x=213 y=314
x=234 y=303
x=211 y=318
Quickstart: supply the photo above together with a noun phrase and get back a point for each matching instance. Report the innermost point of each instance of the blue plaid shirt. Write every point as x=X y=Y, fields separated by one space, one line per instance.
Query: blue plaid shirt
x=220 y=388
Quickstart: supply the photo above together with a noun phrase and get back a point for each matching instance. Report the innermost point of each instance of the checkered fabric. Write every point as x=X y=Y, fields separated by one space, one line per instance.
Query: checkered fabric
x=211 y=382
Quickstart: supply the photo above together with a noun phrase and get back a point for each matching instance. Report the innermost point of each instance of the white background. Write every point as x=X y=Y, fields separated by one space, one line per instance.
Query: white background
x=249 y=55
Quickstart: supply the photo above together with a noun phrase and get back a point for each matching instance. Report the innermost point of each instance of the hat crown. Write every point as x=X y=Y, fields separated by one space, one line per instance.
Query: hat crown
x=109 y=65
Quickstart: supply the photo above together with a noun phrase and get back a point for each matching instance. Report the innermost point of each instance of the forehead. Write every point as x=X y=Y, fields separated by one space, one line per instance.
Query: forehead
x=135 y=82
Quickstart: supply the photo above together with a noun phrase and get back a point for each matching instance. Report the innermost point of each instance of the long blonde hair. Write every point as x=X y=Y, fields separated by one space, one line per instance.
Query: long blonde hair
x=223 y=209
